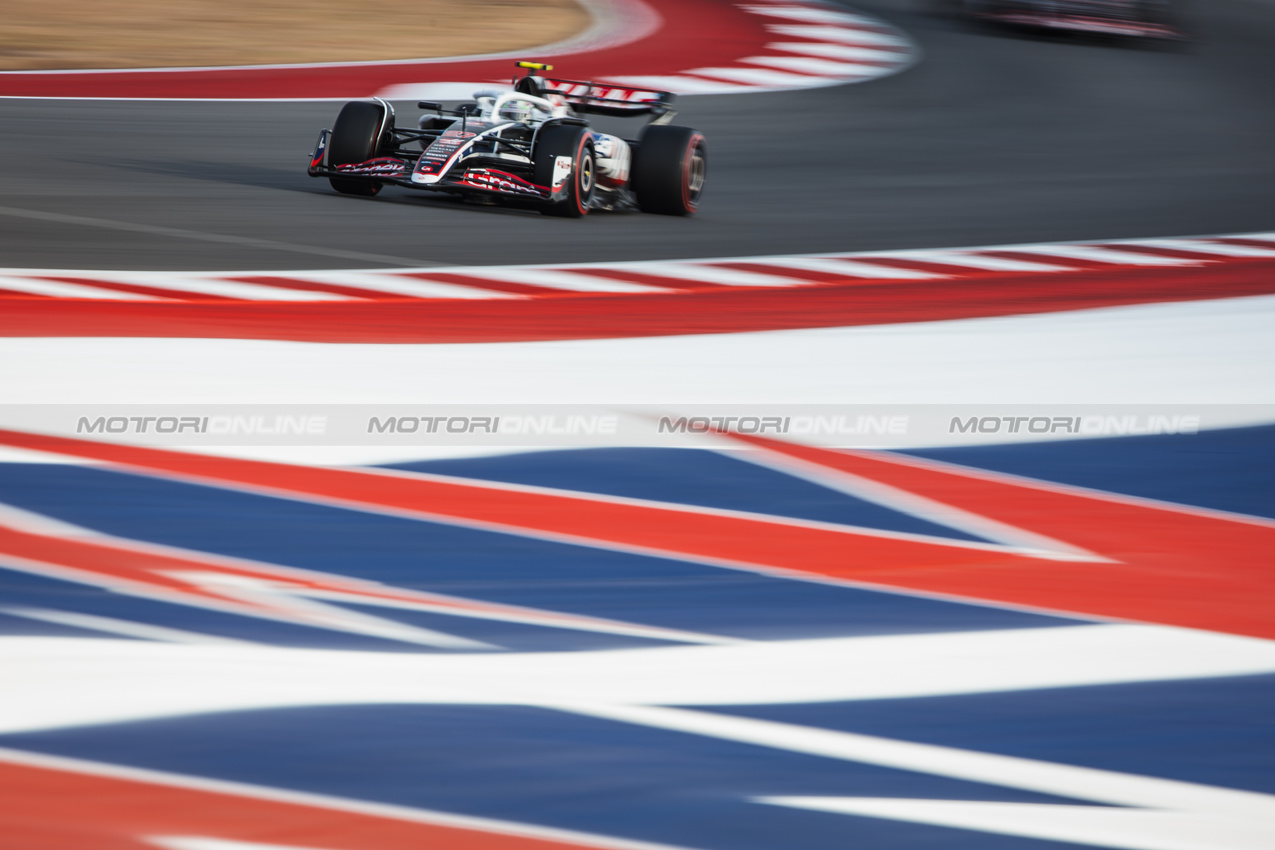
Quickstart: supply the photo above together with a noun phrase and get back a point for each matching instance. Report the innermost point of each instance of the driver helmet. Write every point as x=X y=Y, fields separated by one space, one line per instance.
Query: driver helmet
x=516 y=110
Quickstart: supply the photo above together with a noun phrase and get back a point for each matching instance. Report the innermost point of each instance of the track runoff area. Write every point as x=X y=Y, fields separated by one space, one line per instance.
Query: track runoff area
x=732 y=633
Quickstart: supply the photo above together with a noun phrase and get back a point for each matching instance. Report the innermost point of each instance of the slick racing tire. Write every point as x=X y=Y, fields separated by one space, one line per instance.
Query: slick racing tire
x=669 y=170
x=356 y=137
x=576 y=142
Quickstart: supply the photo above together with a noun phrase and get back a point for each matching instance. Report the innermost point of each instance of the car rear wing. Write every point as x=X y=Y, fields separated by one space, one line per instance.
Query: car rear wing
x=618 y=101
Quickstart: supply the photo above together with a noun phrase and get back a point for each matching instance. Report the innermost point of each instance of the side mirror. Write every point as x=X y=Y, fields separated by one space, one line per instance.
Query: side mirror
x=429 y=104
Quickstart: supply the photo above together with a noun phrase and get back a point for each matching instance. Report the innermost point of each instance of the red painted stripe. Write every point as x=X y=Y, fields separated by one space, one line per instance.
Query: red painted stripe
x=1180 y=567
x=42 y=808
x=589 y=316
x=110 y=563
x=675 y=530
x=16 y=293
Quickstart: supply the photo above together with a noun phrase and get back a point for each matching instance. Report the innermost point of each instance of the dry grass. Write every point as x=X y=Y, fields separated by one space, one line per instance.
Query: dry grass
x=59 y=34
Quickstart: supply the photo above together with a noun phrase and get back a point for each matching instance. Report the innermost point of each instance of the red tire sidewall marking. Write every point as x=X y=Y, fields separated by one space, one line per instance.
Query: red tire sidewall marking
x=688 y=159
x=579 y=170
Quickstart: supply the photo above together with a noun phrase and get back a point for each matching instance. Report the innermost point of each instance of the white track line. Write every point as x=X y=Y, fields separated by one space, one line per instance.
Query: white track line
x=837 y=51
x=850 y=268
x=762 y=78
x=809 y=65
x=1101 y=255
x=847 y=36
x=714 y=274
x=554 y=279
x=809 y=15
x=216 y=286
x=974 y=261
x=410 y=287
x=1201 y=247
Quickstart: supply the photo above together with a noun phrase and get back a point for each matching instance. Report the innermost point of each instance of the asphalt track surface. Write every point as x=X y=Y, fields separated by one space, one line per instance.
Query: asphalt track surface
x=992 y=138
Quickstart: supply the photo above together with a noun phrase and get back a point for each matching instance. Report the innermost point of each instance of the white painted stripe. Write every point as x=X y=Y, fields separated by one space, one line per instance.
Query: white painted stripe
x=970 y=260
x=1130 y=355
x=714 y=274
x=1099 y=255
x=806 y=13
x=844 y=36
x=679 y=85
x=1166 y=814
x=555 y=279
x=808 y=65
x=1043 y=777
x=128 y=628
x=1100 y=826
x=848 y=268
x=211 y=285
x=759 y=77
x=403 y=285
x=839 y=51
x=54 y=683
x=1203 y=247
x=60 y=289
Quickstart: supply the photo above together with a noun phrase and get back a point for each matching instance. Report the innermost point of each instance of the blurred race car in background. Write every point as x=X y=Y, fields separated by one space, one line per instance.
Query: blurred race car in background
x=530 y=146
x=1142 y=18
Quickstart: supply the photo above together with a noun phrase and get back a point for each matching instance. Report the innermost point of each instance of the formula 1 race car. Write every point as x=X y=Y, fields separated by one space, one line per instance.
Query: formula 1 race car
x=1142 y=18
x=529 y=146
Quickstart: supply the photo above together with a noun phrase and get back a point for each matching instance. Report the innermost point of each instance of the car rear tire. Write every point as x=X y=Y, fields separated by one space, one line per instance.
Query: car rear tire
x=570 y=140
x=669 y=170
x=356 y=137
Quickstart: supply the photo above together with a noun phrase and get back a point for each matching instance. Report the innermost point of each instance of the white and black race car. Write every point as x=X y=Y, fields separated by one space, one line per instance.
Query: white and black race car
x=1157 y=19
x=530 y=146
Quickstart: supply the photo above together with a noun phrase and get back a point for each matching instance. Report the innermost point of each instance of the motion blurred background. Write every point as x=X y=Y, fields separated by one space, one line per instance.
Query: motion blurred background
x=896 y=612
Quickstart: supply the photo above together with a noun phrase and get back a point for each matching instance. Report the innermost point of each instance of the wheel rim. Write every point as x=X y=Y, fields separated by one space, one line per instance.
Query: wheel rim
x=695 y=174
x=586 y=175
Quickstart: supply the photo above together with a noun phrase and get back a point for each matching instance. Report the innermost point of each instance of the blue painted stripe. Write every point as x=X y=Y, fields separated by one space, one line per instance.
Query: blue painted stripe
x=1212 y=731
x=478 y=564
x=538 y=766
x=1228 y=469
